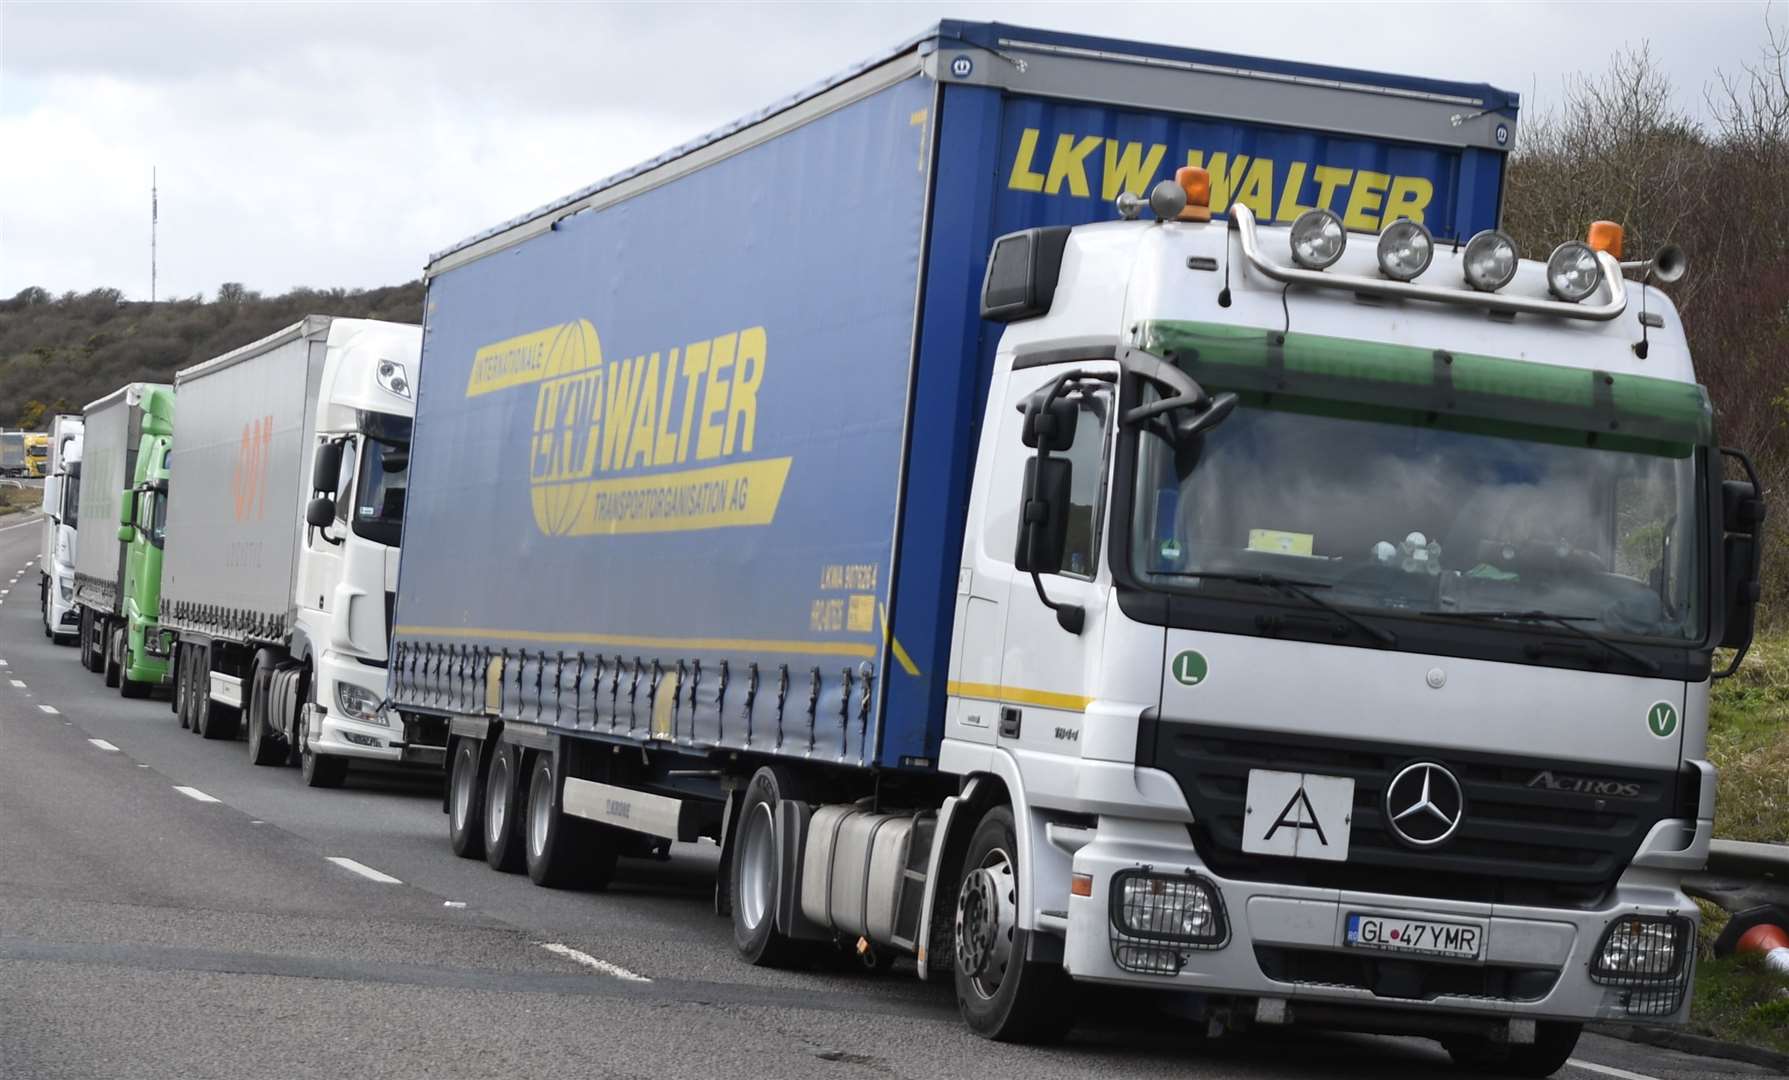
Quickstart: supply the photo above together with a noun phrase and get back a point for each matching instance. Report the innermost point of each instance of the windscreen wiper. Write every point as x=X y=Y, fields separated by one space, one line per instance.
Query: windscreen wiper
x=1300 y=590
x=1566 y=622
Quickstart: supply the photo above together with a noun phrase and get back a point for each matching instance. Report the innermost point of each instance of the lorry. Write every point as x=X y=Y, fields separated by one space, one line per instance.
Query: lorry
x=12 y=454
x=61 y=517
x=283 y=551
x=37 y=454
x=126 y=437
x=1073 y=511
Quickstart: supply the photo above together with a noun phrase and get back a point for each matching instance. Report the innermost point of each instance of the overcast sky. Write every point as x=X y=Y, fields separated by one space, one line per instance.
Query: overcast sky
x=329 y=146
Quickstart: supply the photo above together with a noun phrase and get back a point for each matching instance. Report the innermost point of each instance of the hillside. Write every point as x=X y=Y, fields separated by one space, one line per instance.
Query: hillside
x=58 y=353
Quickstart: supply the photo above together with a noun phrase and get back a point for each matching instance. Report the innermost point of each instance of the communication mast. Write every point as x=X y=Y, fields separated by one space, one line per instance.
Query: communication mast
x=154 y=217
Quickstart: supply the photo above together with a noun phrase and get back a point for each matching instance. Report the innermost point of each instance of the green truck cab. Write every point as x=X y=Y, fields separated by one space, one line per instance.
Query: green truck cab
x=139 y=649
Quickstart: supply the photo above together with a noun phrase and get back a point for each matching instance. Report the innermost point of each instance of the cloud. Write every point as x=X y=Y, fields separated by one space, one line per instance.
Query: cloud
x=342 y=144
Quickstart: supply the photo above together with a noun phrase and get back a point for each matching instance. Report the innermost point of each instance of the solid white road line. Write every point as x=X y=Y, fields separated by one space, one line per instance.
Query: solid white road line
x=615 y=970
x=22 y=525
x=364 y=870
x=193 y=793
x=1607 y=1070
x=51 y=709
x=103 y=745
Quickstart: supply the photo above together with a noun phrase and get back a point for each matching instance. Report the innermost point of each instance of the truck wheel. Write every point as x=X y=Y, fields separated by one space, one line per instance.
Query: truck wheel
x=90 y=653
x=756 y=876
x=113 y=648
x=1002 y=995
x=264 y=746
x=197 y=689
x=466 y=801
x=320 y=770
x=127 y=686
x=564 y=852
x=503 y=811
x=1554 y=1041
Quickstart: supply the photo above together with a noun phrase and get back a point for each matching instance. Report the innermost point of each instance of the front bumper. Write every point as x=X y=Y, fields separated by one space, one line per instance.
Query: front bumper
x=1286 y=942
x=346 y=736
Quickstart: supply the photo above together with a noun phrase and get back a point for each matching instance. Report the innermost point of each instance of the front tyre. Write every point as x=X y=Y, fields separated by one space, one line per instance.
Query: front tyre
x=127 y=686
x=264 y=746
x=1002 y=995
x=112 y=646
x=1554 y=1041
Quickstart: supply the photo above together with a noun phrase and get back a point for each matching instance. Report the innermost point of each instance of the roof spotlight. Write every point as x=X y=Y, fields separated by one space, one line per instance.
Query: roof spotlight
x=1573 y=271
x=1489 y=260
x=1318 y=239
x=1405 y=248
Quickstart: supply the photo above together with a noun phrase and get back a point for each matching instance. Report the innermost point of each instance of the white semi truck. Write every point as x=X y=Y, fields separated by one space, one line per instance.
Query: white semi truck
x=61 y=518
x=283 y=528
x=1275 y=593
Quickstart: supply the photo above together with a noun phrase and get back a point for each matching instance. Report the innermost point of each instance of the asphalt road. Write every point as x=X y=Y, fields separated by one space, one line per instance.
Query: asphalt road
x=168 y=910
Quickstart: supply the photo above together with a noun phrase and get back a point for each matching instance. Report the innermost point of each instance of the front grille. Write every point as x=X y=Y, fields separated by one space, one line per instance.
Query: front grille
x=1411 y=980
x=1516 y=844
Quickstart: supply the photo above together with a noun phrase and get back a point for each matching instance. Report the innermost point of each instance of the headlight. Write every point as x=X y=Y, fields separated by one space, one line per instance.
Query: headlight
x=1573 y=272
x=1405 y=248
x=359 y=703
x=66 y=590
x=1489 y=261
x=1318 y=239
x=1637 y=948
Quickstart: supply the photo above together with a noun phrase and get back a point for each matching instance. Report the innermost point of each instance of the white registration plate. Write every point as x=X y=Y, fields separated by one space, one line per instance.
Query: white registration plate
x=1396 y=934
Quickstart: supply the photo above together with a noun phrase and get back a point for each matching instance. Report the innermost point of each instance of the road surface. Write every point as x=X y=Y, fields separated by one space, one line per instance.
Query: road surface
x=168 y=910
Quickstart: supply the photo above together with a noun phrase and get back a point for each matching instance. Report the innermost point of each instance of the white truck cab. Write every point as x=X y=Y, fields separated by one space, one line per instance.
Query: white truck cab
x=1337 y=613
x=56 y=559
x=348 y=567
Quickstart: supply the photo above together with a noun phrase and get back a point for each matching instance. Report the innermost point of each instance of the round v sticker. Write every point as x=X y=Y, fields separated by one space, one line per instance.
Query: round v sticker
x=1661 y=719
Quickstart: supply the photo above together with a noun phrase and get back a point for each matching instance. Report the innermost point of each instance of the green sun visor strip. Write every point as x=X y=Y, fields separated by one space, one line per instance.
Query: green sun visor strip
x=1490 y=394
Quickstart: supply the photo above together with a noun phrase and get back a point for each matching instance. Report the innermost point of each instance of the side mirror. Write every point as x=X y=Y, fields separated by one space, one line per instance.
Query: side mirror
x=320 y=512
x=1049 y=426
x=327 y=471
x=127 y=508
x=1742 y=519
x=127 y=533
x=1043 y=516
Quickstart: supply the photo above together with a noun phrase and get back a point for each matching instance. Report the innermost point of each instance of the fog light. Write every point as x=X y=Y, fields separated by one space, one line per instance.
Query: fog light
x=1318 y=239
x=1489 y=261
x=360 y=740
x=359 y=703
x=1650 y=956
x=1405 y=248
x=1573 y=272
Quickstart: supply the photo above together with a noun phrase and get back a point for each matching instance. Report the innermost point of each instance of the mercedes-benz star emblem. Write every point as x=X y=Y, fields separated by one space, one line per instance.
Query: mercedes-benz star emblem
x=1423 y=804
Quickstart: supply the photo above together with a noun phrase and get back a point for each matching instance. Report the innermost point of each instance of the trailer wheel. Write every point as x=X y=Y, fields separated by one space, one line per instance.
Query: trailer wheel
x=466 y=800
x=113 y=664
x=564 y=852
x=264 y=746
x=503 y=811
x=1554 y=1041
x=755 y=880
x=1002 y=995
x=198 y=688
x=87 y=640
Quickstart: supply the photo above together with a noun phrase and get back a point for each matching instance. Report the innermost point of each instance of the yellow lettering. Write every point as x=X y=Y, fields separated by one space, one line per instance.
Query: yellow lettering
x=1363 y=201
x=1257 y=188
x=1409 y=197
x=1069 y=163
x=1130 y=170
x=742 y=404
x=1226 y=175
x=695 y=362
x=591 y=443
x=664 y=448
x=1289 y=208
x=623 y=393
x=1023 y=178
x=714 y=397
x=1328 y=179
x=639 y=443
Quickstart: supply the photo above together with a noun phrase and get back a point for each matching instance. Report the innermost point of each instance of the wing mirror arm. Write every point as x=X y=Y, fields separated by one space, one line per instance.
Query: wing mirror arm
x=1197 y=411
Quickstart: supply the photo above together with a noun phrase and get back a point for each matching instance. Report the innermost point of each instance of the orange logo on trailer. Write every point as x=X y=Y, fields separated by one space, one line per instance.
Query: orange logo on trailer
x=249 y=483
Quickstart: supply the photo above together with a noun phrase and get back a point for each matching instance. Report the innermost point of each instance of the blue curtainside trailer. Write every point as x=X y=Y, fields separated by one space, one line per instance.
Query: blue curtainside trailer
x=693 y=444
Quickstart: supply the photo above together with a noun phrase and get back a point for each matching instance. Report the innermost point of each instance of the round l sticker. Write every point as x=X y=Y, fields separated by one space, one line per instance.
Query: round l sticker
x=1188 y=668
x=1661 y=719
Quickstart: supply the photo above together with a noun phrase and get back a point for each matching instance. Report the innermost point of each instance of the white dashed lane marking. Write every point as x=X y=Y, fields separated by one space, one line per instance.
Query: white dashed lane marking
x=614 y=970
x=193 y=793
x=51 y=709
x=364 y=870
x=1607 y=1070
x=103 y=745
x=19 y=683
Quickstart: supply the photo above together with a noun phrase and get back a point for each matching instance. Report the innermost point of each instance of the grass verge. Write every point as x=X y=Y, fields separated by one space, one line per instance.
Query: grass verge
x=1736 y=998
x=19 y=499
